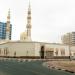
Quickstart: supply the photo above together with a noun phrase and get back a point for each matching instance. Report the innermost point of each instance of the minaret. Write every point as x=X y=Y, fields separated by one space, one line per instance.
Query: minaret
x=29 y=23
x=8 y=26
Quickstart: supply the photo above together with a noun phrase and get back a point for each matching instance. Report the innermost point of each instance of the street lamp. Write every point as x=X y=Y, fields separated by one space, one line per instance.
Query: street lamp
x=69 y=47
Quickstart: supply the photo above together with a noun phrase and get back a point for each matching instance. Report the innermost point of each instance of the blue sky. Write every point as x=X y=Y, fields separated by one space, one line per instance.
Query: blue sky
x=50 y=18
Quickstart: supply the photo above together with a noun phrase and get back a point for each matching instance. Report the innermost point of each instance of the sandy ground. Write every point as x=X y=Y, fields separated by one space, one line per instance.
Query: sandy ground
x=64 y=65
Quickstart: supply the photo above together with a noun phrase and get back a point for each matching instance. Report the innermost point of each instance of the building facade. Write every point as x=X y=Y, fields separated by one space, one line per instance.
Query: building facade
x=3 y=31
x=20 y=49
x=69 y=38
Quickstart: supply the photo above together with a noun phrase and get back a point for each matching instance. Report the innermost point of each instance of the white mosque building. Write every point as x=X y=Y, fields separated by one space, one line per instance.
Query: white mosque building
x=26 y=48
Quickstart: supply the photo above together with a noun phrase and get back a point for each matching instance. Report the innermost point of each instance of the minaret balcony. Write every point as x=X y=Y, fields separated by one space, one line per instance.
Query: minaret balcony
x=29 y=12
x=28 y=17
x=28 y=26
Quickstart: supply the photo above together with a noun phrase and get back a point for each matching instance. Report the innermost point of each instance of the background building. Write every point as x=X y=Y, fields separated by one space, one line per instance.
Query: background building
x=3 y=31
x=69 y=38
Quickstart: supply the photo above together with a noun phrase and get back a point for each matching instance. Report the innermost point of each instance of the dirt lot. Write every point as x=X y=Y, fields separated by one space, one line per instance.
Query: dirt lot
x=64 y=65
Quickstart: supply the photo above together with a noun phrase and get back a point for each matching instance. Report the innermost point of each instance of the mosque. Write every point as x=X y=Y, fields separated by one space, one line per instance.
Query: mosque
x=26 y=48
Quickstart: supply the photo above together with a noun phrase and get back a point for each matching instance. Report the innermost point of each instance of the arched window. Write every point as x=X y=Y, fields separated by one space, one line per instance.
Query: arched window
x=15 y=53
x=62 y=51
x=56 y=51
x=6 y=51
x=24 y=38
x=73 y=54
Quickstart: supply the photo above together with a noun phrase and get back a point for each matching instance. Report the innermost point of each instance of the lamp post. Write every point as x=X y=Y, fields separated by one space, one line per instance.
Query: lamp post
x=69 y=47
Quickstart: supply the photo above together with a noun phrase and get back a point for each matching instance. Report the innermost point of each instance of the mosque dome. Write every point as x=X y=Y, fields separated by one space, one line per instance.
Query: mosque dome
x=23 y=36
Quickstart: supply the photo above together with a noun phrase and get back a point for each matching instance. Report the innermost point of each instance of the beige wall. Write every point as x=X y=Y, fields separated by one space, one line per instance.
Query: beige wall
x=33 y=48
x=37 y=49
x=21 y=49
x=59 y=47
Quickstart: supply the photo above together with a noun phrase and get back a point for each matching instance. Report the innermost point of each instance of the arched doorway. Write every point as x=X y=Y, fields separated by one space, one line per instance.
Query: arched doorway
x=42 y=52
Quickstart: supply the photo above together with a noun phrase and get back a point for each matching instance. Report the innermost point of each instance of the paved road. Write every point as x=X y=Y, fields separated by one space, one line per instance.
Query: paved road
x=27 y=68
